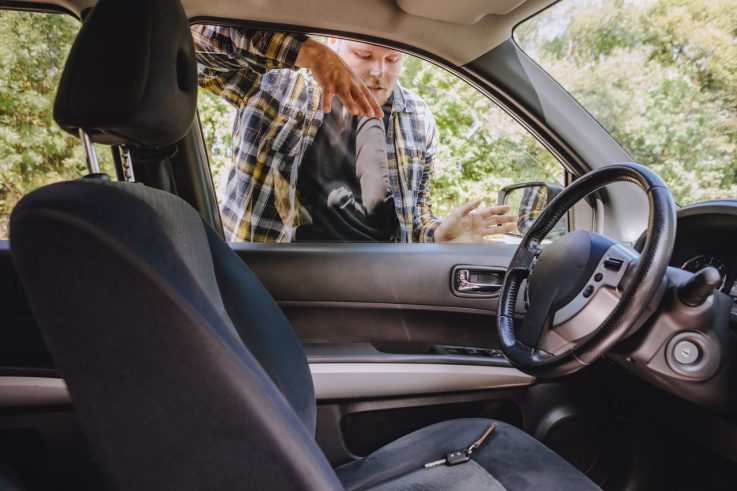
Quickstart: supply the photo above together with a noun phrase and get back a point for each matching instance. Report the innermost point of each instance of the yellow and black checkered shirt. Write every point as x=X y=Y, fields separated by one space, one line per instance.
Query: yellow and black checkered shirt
x=278 y=116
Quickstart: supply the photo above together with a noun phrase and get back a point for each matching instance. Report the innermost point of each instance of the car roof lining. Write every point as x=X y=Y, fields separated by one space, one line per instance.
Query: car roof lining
x=457 y=39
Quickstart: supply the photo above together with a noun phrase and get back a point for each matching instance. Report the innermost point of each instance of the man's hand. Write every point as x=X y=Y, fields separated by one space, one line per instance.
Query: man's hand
x=335 y=78
x=469 y=223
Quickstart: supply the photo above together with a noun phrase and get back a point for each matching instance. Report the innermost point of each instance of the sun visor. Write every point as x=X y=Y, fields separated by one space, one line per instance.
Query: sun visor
x=131 y=75
x=459 y=11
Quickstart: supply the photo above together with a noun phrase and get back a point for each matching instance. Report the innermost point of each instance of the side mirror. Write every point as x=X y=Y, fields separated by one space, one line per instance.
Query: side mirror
x=527 y=200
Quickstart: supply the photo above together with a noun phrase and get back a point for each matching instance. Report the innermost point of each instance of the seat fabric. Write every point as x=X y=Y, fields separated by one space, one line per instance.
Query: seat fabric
x=508 y=459
x=9 y=480
x=186 y=375
x=126 y=290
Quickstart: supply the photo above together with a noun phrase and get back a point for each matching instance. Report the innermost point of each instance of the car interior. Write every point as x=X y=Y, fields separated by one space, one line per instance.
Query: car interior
x=140 y=350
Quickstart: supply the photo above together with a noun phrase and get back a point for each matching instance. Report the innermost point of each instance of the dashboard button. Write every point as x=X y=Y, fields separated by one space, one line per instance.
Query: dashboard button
x=613 y=264
x=588 y=291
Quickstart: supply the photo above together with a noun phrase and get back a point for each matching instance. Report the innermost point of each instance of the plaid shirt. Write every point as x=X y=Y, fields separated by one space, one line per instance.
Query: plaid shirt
x=278 y=116
x=531 y=205
x=533 y=202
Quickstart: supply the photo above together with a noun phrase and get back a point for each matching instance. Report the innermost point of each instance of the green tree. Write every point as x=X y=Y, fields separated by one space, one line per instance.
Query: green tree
x=34 y=150
x=660 y=75
x=482 y=149
x=216 y=119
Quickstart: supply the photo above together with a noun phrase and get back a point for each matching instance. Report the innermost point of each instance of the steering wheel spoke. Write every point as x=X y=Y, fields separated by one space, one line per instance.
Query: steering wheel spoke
x=589 y=310
x=534 y=324
x=608 y=275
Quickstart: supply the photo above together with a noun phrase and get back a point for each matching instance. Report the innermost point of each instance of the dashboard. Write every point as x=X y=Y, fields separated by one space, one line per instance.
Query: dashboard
x=691 y=350
x=707 y=236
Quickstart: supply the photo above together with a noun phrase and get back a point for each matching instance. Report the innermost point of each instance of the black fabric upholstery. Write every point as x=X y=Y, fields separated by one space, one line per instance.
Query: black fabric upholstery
x=121 y=281
x=9 y=480
x=514 y=459
x=131 y=75
x=467 y=477
x=264 y=329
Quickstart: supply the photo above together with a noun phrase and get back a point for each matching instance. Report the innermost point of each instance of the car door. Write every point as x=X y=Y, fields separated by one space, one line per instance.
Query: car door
x=401 y=335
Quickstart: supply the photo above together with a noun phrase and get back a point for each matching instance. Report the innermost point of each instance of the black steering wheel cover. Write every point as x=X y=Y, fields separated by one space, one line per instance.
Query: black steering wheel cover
x=639 y=293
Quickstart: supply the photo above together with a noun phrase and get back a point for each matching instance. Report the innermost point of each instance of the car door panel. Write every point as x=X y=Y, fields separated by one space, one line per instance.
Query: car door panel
x=375 y=318
x=21 y=345
x=396 y=296
x=391 y=273
x=371 y=317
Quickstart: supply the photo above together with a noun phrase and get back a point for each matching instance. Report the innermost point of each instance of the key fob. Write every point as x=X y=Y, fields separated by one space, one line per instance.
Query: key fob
x=457 y=457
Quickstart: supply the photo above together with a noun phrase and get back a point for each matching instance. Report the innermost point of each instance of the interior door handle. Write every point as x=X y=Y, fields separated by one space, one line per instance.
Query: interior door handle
x=473 y=281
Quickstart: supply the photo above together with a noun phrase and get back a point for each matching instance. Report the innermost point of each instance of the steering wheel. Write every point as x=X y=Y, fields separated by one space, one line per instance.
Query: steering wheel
x=584 y=292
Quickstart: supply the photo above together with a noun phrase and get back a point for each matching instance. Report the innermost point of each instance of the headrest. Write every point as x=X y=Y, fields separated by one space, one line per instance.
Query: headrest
x=131 y=75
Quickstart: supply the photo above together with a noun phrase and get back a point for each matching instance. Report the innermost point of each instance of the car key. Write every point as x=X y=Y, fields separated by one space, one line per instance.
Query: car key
x=453 y=458
x=464 y=455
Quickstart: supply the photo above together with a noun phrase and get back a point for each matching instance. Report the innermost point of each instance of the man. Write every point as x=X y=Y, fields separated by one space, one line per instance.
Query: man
x=283 y=87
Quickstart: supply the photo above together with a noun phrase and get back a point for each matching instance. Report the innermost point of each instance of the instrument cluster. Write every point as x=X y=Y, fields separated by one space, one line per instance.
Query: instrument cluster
x=707 y=236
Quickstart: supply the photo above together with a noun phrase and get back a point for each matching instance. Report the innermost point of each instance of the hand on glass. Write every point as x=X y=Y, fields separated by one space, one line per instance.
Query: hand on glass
x=470 y=224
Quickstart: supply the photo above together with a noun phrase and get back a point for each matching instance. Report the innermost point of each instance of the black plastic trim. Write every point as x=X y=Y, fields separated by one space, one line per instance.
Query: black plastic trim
x=36 y=7
x=190 y=166
x=367 y=353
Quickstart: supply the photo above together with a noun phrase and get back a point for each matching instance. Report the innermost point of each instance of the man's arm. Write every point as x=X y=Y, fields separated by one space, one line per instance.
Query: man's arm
x=232 y=50
x=468 y=222
x=336 y=79
x=372 y=167
x=231 y=60
x=229 y=48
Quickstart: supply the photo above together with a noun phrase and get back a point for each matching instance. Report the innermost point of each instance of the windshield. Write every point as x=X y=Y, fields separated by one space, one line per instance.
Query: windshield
x=659 y=75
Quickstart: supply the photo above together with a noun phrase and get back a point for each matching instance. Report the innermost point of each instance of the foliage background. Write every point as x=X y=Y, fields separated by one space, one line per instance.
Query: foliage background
x=660 y=75
x=34 y=151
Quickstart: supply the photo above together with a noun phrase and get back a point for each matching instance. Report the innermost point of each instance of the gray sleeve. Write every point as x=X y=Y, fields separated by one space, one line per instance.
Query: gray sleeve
x=372 y=164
